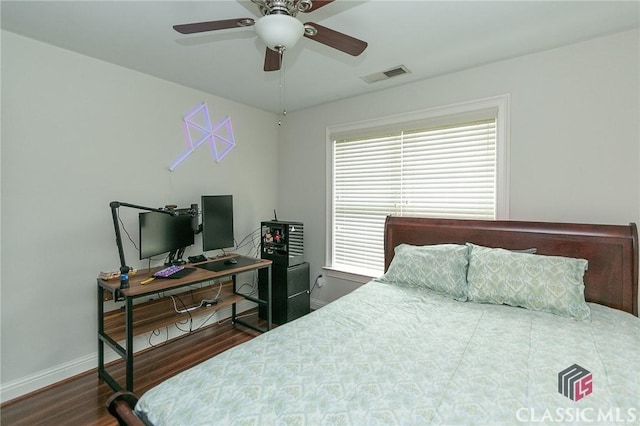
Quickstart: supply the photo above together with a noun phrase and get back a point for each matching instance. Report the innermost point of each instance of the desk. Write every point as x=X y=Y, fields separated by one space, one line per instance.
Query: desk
x=137 y=290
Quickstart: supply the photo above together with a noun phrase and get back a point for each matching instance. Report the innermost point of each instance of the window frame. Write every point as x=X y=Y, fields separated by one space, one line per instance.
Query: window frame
x=497 y=106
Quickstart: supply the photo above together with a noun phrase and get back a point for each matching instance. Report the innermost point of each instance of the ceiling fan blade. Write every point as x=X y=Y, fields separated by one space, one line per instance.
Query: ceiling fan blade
x=317 y=4
x=199 y=27
x=272 y=60
x=335 y=39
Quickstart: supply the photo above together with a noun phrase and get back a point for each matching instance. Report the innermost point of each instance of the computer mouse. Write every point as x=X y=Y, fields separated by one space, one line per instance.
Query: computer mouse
x=230 y=261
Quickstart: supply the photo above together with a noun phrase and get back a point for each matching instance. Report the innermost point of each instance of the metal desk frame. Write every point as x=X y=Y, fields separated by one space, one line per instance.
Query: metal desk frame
x=136 y=290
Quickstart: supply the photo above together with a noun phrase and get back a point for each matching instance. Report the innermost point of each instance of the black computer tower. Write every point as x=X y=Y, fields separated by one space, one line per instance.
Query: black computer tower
x=283 y=243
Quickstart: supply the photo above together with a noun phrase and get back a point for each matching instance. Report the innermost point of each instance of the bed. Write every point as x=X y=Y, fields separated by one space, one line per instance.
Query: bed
x=407 y=349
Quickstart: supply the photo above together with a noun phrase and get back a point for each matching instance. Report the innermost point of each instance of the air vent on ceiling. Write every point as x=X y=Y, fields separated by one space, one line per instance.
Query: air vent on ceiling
x=385 y=75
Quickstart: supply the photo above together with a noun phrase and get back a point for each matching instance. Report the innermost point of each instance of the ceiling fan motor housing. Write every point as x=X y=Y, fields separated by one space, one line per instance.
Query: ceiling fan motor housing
x=279 y=32
x=287 y=7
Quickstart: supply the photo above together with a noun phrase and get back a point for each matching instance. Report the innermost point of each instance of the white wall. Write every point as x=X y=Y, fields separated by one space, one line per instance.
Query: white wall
x=78 y=133
x=574 y=137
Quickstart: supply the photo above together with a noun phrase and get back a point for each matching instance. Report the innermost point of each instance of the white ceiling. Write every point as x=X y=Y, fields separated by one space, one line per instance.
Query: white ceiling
x=428 y=37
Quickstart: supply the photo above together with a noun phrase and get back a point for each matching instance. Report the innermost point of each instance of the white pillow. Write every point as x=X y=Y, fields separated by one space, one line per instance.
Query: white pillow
x=441 y=268
x=541 y=283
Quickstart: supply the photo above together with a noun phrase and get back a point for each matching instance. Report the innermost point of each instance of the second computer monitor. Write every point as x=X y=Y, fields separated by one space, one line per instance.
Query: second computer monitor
x=217 y=222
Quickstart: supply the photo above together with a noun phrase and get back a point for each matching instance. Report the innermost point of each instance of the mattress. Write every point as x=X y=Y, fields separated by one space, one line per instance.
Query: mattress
x=389 y=354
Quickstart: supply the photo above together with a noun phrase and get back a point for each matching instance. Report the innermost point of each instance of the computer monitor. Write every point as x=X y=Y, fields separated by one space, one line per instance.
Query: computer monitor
x=217 y=222
x=163 y=233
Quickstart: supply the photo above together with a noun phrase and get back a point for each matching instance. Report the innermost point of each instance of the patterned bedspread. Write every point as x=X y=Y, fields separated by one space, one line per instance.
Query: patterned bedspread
x=387 y=354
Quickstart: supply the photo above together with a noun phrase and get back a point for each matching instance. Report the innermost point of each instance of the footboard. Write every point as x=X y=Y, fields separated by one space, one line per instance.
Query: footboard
x=121 y=405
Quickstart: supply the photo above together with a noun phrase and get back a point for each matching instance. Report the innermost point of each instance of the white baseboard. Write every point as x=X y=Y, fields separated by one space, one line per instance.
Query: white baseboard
x=44 y=378
x=33 y=382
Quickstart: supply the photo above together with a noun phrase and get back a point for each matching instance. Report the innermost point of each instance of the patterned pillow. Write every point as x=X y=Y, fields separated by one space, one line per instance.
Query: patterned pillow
x=541 y=283
x=441 y=268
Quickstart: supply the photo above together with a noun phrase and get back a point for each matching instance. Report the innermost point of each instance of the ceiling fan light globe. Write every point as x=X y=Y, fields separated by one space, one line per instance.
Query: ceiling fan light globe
x=279 y=31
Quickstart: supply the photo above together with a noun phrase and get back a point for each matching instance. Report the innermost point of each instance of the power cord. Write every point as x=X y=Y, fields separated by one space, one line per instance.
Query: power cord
x=315 y=283
x=203 y=303
x=156 y=332
x=125 y=231
x=248 y=239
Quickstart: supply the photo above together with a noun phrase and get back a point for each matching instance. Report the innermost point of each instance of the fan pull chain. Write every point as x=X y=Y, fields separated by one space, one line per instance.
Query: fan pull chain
x=282 y=84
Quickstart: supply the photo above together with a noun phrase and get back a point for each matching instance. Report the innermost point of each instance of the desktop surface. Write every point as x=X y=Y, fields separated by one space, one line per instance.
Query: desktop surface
x=199 y=273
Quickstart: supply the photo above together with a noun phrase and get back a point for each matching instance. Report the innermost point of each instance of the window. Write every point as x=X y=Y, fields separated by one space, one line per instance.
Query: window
x=442 y=163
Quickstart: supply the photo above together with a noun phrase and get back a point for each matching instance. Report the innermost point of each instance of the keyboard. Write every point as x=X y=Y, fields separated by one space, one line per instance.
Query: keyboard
x=168 y=272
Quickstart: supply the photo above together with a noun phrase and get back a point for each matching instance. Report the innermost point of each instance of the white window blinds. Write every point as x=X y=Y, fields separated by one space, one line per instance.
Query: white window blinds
x=446 y=171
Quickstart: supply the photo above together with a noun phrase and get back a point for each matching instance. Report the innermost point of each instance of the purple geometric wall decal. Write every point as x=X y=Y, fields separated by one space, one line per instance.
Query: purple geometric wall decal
x=198 y=130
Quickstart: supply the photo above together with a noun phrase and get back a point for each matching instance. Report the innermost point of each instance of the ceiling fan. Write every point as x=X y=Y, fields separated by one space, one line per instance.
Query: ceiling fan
x=280 y=29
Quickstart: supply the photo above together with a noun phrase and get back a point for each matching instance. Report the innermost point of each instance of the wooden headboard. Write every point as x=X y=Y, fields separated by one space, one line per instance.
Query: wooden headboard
x=612 y=277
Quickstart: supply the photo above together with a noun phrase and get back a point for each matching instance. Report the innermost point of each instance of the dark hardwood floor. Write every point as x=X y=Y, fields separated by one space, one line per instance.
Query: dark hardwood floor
x=80 y=400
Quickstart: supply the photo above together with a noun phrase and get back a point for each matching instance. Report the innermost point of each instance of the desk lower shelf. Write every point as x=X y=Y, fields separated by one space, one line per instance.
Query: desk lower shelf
x=158 y=313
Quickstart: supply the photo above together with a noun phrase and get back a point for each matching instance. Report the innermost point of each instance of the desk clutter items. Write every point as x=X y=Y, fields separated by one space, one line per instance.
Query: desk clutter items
x=113 y=274
x=198 y=258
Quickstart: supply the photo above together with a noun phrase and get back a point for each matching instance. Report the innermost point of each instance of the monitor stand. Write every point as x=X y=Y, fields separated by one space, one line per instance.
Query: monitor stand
x=175 y=257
